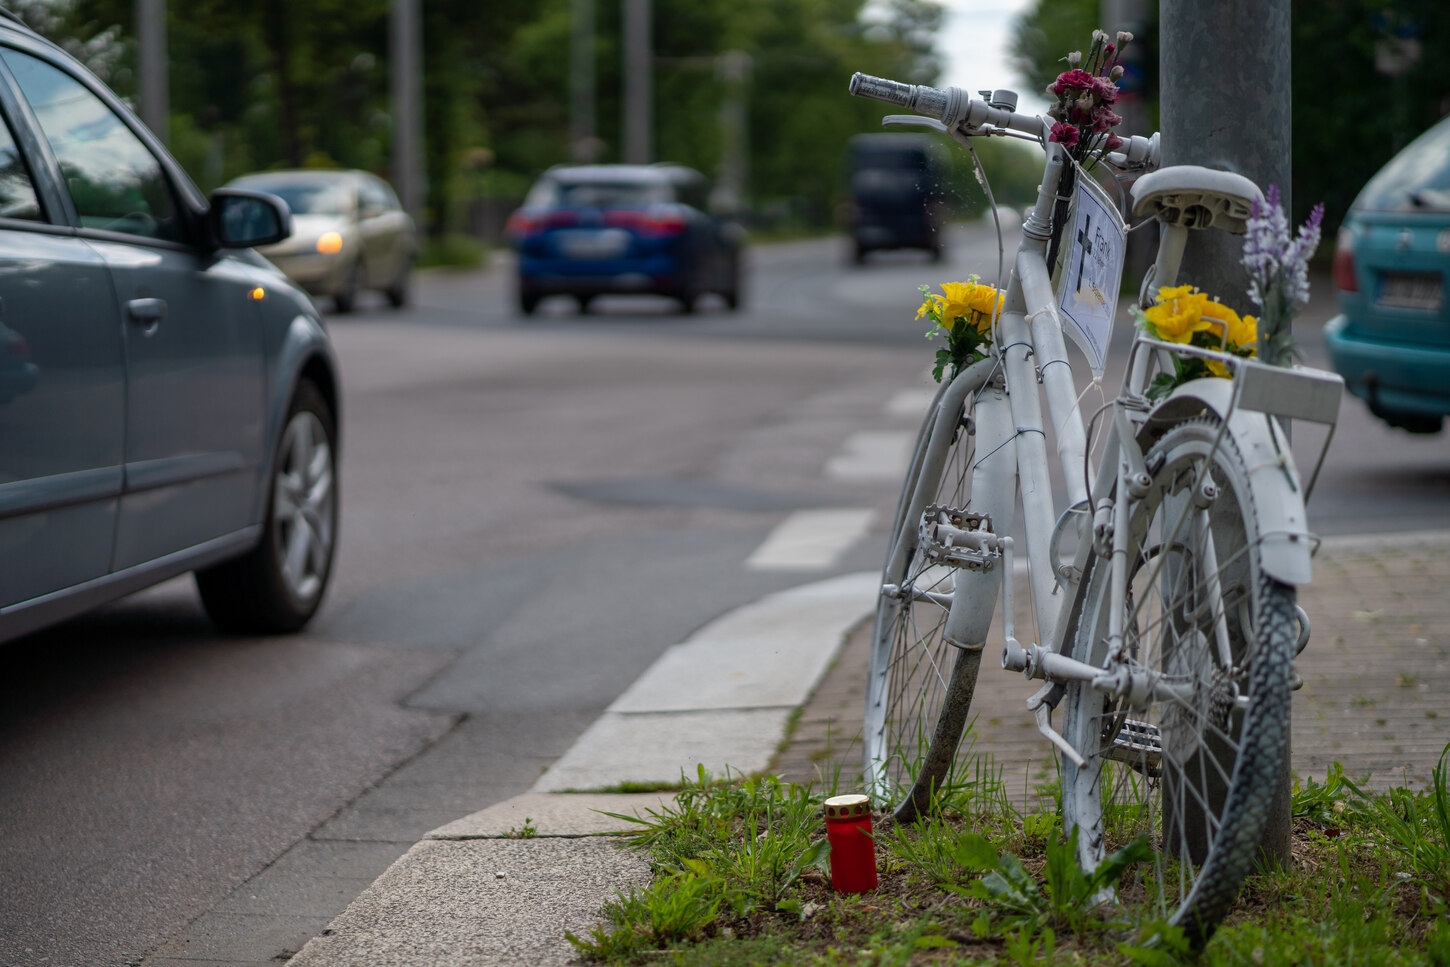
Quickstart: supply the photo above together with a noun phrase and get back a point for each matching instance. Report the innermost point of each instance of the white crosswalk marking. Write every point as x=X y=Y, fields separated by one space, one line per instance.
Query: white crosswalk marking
x=911 y=402
x=810 y=539
x=873 y=455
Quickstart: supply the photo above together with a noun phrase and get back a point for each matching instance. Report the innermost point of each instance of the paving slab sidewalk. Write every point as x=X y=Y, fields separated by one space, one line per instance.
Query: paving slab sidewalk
x=480 y=892
x=1376 y=678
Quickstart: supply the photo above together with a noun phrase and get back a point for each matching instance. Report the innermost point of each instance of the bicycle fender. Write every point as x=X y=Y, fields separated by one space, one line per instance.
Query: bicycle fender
x=1286 y=545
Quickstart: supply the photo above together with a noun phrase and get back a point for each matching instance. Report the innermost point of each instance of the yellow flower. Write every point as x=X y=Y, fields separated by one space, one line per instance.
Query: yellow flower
x=1178 y=314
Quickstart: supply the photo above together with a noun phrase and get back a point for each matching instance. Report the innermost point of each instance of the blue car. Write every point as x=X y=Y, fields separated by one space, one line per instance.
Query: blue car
x=1392 y=341
x=592 y=230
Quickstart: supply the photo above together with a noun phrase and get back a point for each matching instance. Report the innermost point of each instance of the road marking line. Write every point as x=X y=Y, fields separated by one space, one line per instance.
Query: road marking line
x=810 y=539
x=910 y=402
x=873 y=455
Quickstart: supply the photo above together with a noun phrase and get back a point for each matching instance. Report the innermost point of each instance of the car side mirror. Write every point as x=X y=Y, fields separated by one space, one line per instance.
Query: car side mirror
x=244 y=219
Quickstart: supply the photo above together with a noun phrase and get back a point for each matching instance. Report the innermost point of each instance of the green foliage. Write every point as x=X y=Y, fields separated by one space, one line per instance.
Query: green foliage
x=1416 y=827
x=672 y=909
x=282 y=83
x=939 y=851
x=452 y=251
x=1069 y=894
x=527 y=831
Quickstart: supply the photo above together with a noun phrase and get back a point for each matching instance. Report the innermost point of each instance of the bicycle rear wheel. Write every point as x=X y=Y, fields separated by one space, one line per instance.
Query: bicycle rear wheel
x=1189 y=755
x=919 y=687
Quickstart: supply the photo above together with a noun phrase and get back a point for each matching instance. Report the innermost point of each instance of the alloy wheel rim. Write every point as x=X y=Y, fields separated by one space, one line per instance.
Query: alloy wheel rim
x=302 y=500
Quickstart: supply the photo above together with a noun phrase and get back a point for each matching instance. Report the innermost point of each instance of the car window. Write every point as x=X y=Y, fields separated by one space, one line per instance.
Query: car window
x=17 y=191
x=114 y=180
x=597 y=194
x=1416 y=178
x=374 y=198
x=307 y=197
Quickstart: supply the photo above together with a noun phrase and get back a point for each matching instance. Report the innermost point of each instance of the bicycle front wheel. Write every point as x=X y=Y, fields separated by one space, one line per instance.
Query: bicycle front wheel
x=919 y=687
x=1187 y=751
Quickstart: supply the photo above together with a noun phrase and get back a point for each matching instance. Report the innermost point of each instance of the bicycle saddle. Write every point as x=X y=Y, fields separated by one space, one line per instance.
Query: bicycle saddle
x=1196 y=197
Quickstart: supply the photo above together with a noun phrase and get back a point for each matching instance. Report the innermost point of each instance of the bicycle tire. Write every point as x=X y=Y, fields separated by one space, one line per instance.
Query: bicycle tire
x=1217 y=756
x=919 y=688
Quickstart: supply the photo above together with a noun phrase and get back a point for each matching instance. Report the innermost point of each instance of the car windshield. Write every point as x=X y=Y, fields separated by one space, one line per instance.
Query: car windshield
x=309 y=197
x=1417 y=179
x=598 y=194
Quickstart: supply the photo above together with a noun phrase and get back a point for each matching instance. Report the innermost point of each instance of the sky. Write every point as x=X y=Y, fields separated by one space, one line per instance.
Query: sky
x=973 y=41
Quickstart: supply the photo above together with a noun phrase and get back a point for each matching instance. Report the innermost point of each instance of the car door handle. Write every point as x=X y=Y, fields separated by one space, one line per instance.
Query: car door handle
x=146 y=313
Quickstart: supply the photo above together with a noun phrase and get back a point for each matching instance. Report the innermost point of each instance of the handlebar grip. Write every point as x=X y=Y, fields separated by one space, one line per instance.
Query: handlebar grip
x=915 y=97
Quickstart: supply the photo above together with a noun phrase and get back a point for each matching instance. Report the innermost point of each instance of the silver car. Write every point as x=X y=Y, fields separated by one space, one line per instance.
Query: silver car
x=169 y=400
x=348 y=234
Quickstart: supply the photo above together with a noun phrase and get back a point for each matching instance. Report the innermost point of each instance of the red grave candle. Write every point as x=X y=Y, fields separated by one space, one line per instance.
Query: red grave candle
x=853 y=851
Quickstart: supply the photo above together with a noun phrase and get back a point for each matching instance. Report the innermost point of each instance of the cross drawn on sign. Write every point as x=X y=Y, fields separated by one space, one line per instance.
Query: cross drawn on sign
x=1084 y=239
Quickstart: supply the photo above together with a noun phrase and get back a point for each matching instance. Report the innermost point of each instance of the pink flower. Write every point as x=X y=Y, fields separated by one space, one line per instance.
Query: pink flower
x=1105 y=120
x=1064 y=134
x=1073 y=80
x=1113 y=143
x=1105 y=90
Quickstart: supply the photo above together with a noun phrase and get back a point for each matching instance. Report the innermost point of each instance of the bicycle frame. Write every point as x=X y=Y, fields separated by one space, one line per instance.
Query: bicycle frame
x=1012 y=457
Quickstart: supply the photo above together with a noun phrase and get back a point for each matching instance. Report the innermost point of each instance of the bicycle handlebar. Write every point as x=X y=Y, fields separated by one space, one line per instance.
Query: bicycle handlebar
x=957 y=109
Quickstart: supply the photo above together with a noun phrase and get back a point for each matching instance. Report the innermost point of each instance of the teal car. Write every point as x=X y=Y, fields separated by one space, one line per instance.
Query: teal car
x=1391 y=341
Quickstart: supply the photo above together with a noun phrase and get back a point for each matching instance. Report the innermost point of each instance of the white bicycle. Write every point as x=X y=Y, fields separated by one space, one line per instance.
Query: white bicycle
x=1163 y=593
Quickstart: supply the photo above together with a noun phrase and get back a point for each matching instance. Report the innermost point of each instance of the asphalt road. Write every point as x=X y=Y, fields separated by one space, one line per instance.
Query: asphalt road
x=532 y=512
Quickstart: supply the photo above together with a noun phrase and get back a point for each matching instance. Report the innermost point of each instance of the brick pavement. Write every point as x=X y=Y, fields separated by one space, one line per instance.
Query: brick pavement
x=1376 y=680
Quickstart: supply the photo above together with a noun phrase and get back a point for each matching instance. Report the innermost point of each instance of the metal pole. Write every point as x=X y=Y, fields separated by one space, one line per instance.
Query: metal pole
x=733 y=68
x=152 y=66
x=583 y=145
x=1239 y=120
x=638 y=68
x=406 y=55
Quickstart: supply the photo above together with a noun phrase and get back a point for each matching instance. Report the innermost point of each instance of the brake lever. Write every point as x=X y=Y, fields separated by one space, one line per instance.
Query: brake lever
x=916 y=120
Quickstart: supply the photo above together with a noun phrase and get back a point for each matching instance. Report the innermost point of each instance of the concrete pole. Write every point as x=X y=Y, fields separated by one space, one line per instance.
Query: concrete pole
x=152 y=66
x=405 y=42
x=582 y=144
x=734 y=68
x=1225 y=103
x=638 y=71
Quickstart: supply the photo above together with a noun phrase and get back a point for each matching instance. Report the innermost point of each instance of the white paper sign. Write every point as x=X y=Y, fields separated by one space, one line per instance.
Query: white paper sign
x=1094 y=271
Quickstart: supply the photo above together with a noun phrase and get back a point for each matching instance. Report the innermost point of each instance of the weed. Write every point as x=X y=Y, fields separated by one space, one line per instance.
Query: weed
x=1416 y=827
x=527 y=831
x=670 y=910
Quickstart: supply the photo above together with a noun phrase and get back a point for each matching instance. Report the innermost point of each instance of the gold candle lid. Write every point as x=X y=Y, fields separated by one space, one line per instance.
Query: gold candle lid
x=848 y=807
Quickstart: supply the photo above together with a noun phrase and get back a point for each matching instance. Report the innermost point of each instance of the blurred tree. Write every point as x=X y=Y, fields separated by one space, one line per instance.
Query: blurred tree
x=1368 y=77
x=305 y=82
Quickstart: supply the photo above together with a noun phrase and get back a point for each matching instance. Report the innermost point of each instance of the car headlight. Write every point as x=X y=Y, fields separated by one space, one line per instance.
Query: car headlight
x=329 y=243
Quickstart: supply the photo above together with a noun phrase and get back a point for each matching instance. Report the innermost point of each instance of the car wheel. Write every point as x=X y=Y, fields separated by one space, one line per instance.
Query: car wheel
x=346 y=297
x=277 y=586
x=732 y=292
x=528 y=301
x=397 y=293
x=858 y=253
x=585 y=302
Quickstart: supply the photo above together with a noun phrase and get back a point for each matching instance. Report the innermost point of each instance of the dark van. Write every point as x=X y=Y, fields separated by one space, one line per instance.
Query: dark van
x=897 y=197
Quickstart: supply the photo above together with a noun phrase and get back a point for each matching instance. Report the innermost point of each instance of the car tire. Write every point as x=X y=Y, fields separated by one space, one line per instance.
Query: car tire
x=585 y=303
x=732 y=293
x=398 y=292
x=346 y=298
x=277 y=586
x=528 y=301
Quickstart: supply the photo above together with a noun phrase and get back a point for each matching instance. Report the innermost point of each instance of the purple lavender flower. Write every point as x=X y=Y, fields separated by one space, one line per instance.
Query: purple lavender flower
x=1278 y=269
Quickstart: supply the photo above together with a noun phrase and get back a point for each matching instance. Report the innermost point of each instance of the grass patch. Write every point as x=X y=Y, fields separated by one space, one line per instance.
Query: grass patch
x=452 y=251
x=741 y=876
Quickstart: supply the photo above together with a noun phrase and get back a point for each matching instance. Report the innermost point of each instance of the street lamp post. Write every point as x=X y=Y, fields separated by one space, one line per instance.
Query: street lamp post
x=152 y=66
x=638 y=71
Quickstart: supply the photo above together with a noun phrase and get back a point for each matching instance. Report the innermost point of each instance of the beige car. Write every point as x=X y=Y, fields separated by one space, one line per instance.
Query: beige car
x=348 y=234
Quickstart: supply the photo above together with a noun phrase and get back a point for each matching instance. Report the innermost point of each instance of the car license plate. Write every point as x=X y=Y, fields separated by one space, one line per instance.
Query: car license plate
x=606 y=243
x=1418 y=290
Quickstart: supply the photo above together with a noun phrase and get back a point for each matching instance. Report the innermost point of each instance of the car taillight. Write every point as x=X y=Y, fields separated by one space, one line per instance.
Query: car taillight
x=1344 y=262
x=520 y=224
x=561 y=219
x=654 y=224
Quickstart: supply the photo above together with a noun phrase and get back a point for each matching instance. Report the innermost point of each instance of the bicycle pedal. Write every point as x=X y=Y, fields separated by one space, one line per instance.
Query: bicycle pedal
x=1139 y=744
x=959 y=538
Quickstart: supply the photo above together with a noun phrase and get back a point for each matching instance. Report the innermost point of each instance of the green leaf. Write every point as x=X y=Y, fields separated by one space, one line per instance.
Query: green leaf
x=813 y=855
x=934 y=940
x=975 y=852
